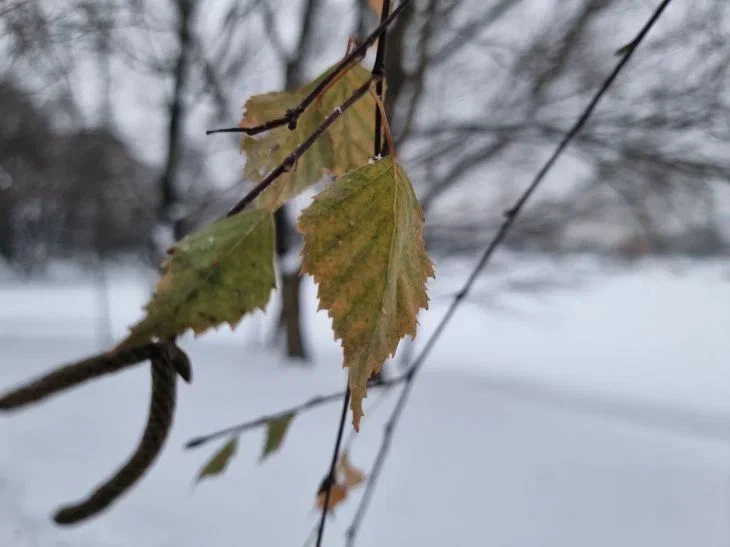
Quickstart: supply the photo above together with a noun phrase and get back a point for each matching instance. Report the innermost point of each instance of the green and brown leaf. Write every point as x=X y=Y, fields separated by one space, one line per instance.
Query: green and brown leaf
x=275 y=432
x=213 y=276
x=353 y=133
x=363 y=243
x=220 y=460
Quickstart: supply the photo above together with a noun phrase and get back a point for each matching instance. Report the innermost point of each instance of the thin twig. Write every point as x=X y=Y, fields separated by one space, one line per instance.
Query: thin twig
x=331 y=475
x=291 y=117
x=510 y=217
x=302 y=407
x=290 y=161
x=379 y=70
x=311 y=537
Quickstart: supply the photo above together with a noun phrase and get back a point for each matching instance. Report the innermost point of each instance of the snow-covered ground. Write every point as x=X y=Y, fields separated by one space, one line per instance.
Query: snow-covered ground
x=596 y=415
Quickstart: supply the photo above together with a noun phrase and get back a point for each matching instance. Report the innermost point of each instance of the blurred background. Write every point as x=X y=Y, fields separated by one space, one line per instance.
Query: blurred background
x=581 y=395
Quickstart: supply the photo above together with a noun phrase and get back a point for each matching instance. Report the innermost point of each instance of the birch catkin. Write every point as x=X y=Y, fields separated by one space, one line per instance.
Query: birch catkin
x=159 y=422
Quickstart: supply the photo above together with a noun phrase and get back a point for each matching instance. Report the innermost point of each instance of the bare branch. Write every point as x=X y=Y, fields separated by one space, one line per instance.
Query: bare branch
x=329 y=481
x=308 y=405
x=292 y=158
x=291 y=116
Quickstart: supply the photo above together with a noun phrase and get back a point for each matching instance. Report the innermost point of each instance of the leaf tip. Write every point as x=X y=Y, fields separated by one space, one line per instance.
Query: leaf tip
x=357 y=413
x=220 y=460
x=276 y=430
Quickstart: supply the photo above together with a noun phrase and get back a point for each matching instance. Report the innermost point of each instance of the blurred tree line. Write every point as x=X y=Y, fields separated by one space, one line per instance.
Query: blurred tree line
x=65 y=195
x=104 y=103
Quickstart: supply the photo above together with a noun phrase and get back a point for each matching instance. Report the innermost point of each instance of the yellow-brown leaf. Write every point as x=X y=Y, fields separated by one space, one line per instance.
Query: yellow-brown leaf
x=338 y=494
x=266 y=151
x=352 y=134
x=363 y=243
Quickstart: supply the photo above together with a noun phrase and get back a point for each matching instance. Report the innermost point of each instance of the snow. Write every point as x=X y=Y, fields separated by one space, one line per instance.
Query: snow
x=591 y=415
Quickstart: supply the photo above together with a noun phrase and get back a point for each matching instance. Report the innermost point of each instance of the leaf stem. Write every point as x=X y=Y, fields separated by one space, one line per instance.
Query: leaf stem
x=386 y=125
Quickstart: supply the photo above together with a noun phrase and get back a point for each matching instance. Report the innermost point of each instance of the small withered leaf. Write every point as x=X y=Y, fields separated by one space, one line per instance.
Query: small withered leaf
x=220 y=460
x=275 y=432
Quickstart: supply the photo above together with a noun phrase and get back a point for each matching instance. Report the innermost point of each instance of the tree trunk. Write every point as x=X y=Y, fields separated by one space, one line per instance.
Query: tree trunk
x=290 y=316
x=169 y=193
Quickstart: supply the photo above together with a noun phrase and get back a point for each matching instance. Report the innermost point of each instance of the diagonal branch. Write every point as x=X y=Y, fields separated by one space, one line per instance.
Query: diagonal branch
x=292 y=158
x=291 y=117
x=310 y=404
x=510 y=217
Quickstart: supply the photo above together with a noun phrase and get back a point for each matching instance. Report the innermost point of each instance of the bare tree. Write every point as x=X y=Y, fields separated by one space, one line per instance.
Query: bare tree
x=646 y=163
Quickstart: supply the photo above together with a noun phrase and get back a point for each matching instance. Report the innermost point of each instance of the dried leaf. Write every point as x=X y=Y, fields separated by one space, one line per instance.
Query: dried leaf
x=337 y=150
x=212 y=277
x=338 y=493
x=352 y=135
x=218 y=463
x=377 y=6
x=363 y=243
x=275 y=433
x=352 y=476
x=266 y=151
